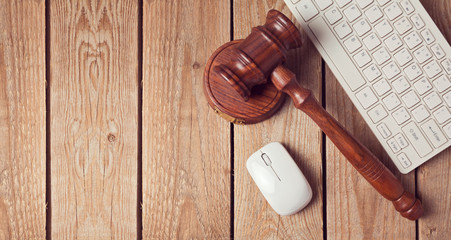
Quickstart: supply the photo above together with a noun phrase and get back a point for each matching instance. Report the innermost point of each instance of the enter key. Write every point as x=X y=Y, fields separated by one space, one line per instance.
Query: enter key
x=434 y=133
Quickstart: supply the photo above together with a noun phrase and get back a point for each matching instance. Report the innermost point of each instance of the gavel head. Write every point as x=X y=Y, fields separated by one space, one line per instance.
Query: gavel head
x=253 y=59
x=236 y=67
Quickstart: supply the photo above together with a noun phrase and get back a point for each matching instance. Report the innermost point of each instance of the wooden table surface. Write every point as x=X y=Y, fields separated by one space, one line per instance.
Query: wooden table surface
x=106 y=133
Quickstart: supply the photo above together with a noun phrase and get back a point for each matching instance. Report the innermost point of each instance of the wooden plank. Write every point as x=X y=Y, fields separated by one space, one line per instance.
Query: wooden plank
x=354 y=208
x=186 y=147
x=434 y=177
x=254 y=218
x=22 y=120
x=94 y=119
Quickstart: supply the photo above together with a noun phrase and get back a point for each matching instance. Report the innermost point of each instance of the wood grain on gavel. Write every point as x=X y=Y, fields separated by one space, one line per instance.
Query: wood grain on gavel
x=259 y=57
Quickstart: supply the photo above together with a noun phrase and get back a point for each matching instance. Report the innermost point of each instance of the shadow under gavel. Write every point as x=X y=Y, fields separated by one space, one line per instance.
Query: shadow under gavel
x=260 y=56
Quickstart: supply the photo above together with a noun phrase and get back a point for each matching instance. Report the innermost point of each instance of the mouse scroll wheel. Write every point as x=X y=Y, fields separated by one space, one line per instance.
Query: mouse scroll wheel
x=266 y=159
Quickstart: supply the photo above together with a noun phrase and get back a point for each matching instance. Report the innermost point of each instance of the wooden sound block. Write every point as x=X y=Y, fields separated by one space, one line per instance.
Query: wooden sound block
x=264 y=101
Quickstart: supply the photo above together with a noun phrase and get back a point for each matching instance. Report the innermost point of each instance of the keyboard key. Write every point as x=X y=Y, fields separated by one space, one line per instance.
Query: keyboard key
x=413 y=71
x=447 y=129
x=352 y=13
x=377 y=113
x=412 y=40
x=401 y=140
x=401 y=115
x=307 y=9
x=391 y=101
x=417 y=139
x=404 y=160
x=427 y=36
x=403 y=57
x=381 y=87
x=393 y=11
x=407 y=6
x=323 y=4
x=401 y=84
x=432 y=100
x=371 y=41
x=393 y=145
x=434 y=134
x=442 y=114
x=422 y=54
x=422 y=86
x=393 y=42
x=352 y=44
x=353 y=78
x=442 y=83
x=342 y=3
x=383 y=129
x=382 y=2
x=420 y=113
x=373 y=13
x=402 y=25
x=383 y=28
x=410 y=99
x=432 y=69
x=446 y=64
x=381 y=56
x=391 y=70
x=343 y=29
x=438 y=51
x=371 y=72
x=447 y=98
x=361 y=27
x=366 y=97
x=364 y=3
x=362 y=58
x=333 y=15
x=417 y=21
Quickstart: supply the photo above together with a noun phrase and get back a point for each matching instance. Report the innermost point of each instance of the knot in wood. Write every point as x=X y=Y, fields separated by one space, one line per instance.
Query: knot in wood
x=111 y=137
x=196 y=65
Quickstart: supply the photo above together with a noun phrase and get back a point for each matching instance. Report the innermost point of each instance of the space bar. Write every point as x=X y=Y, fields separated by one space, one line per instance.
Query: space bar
x=338 y=57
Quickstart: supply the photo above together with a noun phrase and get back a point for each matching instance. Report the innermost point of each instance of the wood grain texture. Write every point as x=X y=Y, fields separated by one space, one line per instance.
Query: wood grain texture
x=434 y=177
x=22 y=120
x=186 y=146
x=94 y=119
x=254 y=218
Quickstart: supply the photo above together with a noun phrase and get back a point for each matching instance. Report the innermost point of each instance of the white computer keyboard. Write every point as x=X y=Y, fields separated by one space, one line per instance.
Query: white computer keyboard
x=393 y=62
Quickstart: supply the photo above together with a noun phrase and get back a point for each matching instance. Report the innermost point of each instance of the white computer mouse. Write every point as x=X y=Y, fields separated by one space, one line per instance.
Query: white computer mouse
x=279 y=179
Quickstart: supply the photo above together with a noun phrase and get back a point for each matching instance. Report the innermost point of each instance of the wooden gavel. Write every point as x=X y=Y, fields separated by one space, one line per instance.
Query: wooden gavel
x=260 y=56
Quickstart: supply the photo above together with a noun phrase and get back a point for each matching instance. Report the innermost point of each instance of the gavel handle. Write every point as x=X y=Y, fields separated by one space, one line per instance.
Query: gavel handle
x=358 y=155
